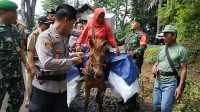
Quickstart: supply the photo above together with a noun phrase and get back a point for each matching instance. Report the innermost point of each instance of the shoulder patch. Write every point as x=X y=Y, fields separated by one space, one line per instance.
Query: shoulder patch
x=56 y=34
x=35 y=32
x=47 y=43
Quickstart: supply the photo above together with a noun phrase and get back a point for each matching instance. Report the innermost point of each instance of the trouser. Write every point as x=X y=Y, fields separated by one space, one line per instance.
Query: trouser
x=28 y=85
x=139 y=61
x=163 y=96
x=15 y=89
x=42 y=101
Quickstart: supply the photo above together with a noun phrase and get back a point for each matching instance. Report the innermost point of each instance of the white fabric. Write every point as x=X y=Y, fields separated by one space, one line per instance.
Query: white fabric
x=120 y=86
x=73 y=88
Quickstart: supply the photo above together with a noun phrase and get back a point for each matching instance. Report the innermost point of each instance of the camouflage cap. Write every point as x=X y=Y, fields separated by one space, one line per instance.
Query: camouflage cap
x=170 y=29
x=8 y=5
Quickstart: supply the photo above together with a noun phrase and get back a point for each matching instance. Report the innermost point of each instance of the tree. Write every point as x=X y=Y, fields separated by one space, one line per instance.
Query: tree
x=126 y=10
x=51 y=4
x=118 y=7
x=158 y=4
x=27 y=12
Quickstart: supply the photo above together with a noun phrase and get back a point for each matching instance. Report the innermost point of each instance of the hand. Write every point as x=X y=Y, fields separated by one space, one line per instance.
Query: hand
x=154 y=70
x=178 y=92
x=132 y=53
x=80 y=54
x=32 y=71
x=76 y=60
x=117 y=52
x=151 y=77
x=78 y=48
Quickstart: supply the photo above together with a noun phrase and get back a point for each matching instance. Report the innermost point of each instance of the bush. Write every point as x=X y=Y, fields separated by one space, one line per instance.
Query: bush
x=150 y=55
x=191 y=97
x=185 y=15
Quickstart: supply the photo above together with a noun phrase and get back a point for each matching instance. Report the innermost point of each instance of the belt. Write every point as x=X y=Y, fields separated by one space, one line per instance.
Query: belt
x=165 y=73
x=50 y=76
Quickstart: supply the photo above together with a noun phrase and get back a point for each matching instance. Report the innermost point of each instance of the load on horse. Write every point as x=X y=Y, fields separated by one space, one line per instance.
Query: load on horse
x=121 y=68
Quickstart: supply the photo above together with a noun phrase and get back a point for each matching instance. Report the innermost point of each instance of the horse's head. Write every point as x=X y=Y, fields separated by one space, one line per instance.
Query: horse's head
x=97 y=57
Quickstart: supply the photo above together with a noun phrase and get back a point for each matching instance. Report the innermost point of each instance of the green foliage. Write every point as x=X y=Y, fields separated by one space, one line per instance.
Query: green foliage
x=191 y=97
x=151 y=54
x=185 y=15
x=126 y=10
x=124 y=31
x=51 y=4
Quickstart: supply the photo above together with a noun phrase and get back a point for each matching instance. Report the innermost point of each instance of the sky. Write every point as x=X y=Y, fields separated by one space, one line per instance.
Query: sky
x=38 y=8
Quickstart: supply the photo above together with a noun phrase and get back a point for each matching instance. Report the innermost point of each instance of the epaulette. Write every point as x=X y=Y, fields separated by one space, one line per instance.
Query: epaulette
x=21 y=23
x=35 y=32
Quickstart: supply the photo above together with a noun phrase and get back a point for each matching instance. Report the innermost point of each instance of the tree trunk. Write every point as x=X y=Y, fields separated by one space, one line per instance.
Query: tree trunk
x=28 y=12
x=158 y=19
x=77 y=4
x=125 y=14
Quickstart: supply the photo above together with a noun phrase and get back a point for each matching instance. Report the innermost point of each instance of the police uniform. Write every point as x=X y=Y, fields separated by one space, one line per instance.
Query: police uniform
x=31 y=47
x=11 y=79
x=21 y=26
x=53 y=55
x=32 y=41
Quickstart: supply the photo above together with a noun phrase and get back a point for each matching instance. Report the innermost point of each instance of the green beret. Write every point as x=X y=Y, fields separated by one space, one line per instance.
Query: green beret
x=138 y=19
x=170 y=29
x=8 y=5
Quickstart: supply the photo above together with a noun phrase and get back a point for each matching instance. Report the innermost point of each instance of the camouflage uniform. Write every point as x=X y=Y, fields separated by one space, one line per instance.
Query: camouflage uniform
x=11 y=79
x=136 y=42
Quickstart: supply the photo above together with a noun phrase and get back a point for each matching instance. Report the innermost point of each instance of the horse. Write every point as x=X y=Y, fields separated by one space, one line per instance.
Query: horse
x=94 y=71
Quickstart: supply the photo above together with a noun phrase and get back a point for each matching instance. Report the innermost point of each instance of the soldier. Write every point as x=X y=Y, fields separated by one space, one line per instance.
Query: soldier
x=11 y=79
x=172 y=60
x=32 y=55
x=136 y=42
x=49 y=91
x=51 y=15
x=135 y=45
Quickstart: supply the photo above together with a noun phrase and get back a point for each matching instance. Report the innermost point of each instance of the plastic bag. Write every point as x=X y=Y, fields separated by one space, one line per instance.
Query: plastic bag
x=73 y=88
x=120 y=86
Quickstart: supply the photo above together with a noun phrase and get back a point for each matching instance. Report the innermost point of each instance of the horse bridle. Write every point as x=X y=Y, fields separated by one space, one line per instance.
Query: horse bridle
x=91 y=72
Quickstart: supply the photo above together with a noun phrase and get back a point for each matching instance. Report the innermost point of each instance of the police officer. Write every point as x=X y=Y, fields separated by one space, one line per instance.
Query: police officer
x=32 y=55
x=49 y=91
x=11 y=79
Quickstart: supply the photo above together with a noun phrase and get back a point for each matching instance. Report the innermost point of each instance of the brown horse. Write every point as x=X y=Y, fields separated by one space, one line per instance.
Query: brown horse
x=94 y=71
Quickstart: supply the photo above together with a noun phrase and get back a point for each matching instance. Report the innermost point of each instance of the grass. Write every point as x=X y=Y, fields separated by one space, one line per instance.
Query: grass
x=151 y=53
x=190 y=101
